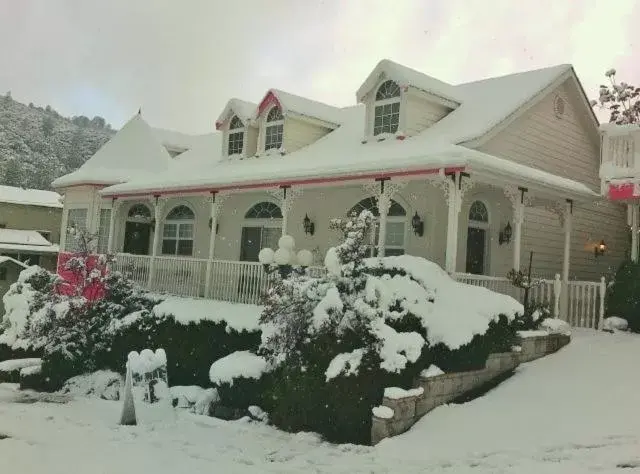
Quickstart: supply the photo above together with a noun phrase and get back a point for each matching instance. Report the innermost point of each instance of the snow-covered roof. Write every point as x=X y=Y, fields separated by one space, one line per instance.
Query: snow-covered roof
x=485 y=104
x=243 y=109
x=131 y=152
x=291 y=103
x=25 y=241
x=406 y=76
x=29 y=197
x=174 y=140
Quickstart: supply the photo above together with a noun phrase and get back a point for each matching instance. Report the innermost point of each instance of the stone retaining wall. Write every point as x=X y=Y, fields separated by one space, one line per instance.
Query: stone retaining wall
x=440 y=389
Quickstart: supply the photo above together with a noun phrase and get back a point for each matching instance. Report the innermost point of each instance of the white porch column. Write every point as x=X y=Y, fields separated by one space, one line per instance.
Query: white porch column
x=216 y=200
x=517 y=197
x=115 y=205
x=160 y=203
x=567 y=221
x=384 y=201
x=286 y=195
x=454 y=187
x=383 y=189
x=634 y=232
x=568 y=214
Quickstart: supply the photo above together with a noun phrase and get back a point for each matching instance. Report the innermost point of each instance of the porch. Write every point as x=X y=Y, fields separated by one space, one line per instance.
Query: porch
x=246 y=282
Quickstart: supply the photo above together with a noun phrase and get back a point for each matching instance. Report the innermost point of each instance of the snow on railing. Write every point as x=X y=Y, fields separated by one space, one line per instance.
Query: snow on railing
x=584 y=304
x=620 y=152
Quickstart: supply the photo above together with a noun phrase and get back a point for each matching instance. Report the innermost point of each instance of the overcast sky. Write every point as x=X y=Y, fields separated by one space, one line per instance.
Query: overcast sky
x=181 y=60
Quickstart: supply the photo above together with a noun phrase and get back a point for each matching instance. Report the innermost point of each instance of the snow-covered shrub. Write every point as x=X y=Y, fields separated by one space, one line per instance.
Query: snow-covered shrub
x=622 y=298
x=239 y=377
x=191 y=347
x=335 y=342
x=614 y=323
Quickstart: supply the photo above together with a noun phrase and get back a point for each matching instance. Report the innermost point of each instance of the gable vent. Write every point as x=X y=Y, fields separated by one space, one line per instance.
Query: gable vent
x=558 y=106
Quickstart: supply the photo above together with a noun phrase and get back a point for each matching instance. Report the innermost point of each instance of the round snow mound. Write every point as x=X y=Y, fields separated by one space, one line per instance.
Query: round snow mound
x=615 y=323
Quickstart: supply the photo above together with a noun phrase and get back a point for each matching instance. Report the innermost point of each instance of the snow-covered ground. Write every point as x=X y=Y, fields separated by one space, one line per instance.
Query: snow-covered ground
x=572 y=412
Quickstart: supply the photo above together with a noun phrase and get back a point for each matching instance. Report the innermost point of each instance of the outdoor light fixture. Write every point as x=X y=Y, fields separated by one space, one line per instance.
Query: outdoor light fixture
x=418 y=225
x=217 y=224
x=505 y=234
x=600 y=249
x=309 y=226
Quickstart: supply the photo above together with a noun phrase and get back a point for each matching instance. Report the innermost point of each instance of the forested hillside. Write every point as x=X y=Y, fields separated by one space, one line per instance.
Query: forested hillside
x=37 y=144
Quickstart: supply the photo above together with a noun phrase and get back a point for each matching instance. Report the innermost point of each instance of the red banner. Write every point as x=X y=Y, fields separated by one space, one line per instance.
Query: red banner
x=619 y=192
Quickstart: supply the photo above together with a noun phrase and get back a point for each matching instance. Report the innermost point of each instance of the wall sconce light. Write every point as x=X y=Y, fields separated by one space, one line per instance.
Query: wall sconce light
x=418 y=225
x=600 y=249
x=504 y=237
x=217 y=225
x=309 y=225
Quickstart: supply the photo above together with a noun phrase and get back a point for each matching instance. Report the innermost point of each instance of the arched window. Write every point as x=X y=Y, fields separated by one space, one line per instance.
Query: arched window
x=477 y=241
x=139 y=213
x=387 y=108
x=177 y=232
x=262 y=228
x=264 y=210
x=236 y=136
x=396 y=225
x=274 y=128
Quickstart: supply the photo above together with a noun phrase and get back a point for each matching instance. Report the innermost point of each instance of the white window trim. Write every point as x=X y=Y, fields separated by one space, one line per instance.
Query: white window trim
x=229 y=131
x=373 y=103
x=265 y=125
x=166 y=221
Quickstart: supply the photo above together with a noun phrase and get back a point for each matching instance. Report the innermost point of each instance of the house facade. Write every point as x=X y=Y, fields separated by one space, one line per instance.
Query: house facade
x=473 y=176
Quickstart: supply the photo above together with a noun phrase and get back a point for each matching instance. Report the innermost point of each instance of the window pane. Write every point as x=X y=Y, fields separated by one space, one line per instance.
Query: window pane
x=235 y=143
x=395 y=108
x=270 y=237
x=273 y=137
x=170 y=230
x=169 y=247
x=185 y=231
x=76 y=219
x=395 y=234
x=185 y=247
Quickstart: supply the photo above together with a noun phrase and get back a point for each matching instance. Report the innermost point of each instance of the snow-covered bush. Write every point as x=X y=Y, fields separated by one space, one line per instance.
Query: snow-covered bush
x=335 y=342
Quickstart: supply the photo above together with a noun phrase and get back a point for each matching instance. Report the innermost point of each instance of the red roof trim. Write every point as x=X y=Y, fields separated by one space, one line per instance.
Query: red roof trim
x=292 y=182
x=269 y=100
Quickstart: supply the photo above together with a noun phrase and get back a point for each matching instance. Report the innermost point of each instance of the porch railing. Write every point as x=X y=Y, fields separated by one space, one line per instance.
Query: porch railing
x=246 y=282
x=583 y=305
x=620 y=152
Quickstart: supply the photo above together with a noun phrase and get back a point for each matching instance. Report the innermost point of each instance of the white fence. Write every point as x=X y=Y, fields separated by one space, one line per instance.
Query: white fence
x=246 y=282
x=583 y=305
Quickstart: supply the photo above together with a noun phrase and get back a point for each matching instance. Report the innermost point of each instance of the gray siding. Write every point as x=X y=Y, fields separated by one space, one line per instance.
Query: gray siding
x=420 y=113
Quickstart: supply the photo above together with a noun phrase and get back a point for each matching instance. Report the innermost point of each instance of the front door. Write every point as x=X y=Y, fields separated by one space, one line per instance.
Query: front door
x=250 y=244
x=136 y=238
x=476 y=249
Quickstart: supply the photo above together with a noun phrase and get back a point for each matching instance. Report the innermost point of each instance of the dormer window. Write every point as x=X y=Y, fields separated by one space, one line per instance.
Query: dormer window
x=274 y=128
x=387 y=108
x=236 y=136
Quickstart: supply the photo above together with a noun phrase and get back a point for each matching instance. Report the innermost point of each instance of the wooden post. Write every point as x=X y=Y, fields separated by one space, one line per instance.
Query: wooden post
x=568 y=214
x=112 y=227
x=603 y=292
x=453 y=198
x=159 y=207
x=212 y=244
x=557 y=291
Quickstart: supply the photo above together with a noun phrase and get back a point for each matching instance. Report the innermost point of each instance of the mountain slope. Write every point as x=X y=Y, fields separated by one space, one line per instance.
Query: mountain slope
x=38 y=145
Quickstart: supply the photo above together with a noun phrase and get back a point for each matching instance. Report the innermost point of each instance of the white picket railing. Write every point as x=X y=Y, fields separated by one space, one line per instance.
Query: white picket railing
x=583 y=305
x=246 y=282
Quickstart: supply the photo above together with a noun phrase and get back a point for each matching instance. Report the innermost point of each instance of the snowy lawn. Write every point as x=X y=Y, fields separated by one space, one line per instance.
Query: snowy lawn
x=574 y=411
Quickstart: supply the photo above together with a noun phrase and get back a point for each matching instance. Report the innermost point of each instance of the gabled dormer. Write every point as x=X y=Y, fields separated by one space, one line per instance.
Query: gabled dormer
x=288 y=122
x=403 y=102
x=240 y=135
